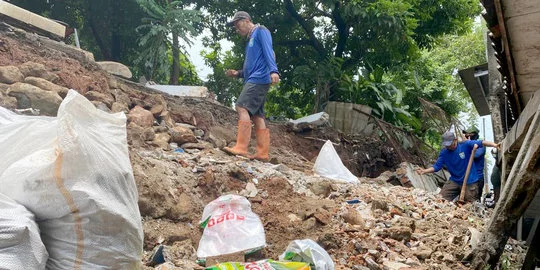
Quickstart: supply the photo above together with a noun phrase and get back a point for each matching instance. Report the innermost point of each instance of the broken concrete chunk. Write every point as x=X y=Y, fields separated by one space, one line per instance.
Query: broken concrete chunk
x=47 y=85
x=182 y=135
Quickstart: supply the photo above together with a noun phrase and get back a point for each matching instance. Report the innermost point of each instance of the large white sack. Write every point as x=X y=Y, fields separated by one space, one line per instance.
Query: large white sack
x=20 y=245
x=328 y=164
x=73 y=172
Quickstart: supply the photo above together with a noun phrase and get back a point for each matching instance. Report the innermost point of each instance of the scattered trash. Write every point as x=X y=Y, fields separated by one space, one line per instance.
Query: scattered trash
x=263 y=264
x=179 y=150
x=229 y=226
x=353 y=201
x=310 y=252
x=328 y=164
x=158 y=256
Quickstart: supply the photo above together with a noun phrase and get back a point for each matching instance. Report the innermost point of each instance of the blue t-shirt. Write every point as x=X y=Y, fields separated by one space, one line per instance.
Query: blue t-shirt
x=479 y=160
x=260 y=60
x=456 y=162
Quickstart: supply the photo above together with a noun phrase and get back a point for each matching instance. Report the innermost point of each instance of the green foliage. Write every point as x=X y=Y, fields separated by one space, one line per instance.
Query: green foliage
x=225 y=88
x=164 y=24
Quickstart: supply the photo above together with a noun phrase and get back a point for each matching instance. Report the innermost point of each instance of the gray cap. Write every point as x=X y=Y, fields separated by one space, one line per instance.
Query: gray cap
x=240 y=15
x=448 y=138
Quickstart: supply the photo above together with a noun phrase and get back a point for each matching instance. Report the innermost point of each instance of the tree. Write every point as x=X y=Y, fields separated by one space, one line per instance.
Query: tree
x=319 y=44
x=167 y=21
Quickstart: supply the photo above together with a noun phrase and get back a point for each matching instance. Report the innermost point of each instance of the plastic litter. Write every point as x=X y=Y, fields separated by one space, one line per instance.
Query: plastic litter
x=229 y=226
x=308 y=251
x=328 y=164
x=353 y=201
x=260 y=265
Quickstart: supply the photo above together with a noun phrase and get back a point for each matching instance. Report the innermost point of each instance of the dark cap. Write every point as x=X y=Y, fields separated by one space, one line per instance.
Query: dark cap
x=240 y=15
x=448 y=138
x=471 y=130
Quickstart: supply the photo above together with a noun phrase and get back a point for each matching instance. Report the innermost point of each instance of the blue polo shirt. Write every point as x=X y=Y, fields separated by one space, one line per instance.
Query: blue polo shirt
x=260 y=60
x=456 y=161
x=479 y=160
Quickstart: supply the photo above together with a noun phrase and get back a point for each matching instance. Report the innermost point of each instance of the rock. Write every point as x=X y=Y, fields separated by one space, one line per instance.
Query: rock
x=162 y=140
x=166 y=119
x=29 y=96
x=157 y=109
x=182 y=209
x=320 y=188
x=5 y=100
x=115 y=68
x=406 y=222
x=251 y=190
x=121 y=96
x=218 y=133
x=148 y=134
x=119 y=107
x=294 y=218
x=372 y=265
x=200 y=145
x=353 y=217
x=182 y=135
x=101 y=106
x=378 y=204
x=399 y=233
x=198 y=132
x=423 y=253
x=141 y=117
x=167 y=266
x=389 y=265
x=102 y=97
x=309 y=223
x=323 y=216
x=32 y=69
x=46 y=85
x=10 y=75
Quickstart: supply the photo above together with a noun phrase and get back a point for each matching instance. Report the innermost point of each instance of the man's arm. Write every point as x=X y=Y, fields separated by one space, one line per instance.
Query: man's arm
x=421 y=171
x=491 y=144
x=268 y=53
x=435 y=168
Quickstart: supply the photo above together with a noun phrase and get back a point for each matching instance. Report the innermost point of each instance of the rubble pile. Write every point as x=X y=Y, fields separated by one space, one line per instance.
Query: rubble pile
x=178 y=167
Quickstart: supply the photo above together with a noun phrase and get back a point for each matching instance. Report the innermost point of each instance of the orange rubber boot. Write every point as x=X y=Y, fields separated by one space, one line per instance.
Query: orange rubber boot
x=242 y=139
x=263 y=145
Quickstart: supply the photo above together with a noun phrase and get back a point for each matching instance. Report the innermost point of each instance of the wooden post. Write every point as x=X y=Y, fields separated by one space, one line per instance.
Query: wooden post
x=467 y=172
x=521 y=188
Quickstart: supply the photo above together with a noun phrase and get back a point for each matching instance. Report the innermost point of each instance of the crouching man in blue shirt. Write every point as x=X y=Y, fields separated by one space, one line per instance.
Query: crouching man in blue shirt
x=455 y=156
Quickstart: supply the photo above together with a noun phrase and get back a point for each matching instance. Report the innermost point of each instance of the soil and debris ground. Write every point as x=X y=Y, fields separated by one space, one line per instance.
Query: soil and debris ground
x=179 y=168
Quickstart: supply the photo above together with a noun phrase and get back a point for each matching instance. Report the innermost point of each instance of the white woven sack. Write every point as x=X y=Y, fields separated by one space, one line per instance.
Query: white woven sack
x=20 y=245
x=73 y=172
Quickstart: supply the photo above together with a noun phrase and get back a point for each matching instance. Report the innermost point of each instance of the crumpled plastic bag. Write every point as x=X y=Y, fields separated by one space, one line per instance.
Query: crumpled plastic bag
x=260 y=265
x=329 y=165
x=229 y=227
x=308 y=251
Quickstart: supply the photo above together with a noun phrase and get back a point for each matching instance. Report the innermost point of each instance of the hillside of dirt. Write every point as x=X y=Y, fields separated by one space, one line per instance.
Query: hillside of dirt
x=175 y=143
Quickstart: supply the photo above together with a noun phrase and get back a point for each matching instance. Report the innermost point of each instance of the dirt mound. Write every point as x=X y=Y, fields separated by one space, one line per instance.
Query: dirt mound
x=387 y=226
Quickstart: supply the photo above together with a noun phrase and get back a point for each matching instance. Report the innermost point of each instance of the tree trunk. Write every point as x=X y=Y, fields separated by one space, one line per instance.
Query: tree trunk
x=520 y=189
x=175 y=69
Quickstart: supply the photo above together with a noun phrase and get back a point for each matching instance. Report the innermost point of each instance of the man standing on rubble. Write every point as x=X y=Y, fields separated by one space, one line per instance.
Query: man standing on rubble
x=479 y=158
x=455 y=156
x=259 y=71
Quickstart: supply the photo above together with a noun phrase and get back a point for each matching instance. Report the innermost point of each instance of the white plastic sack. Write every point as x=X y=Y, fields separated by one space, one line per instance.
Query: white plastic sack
x=229 y=227
x=73 y=172
x=310 y=252
x=328 y=164
x=20 y=245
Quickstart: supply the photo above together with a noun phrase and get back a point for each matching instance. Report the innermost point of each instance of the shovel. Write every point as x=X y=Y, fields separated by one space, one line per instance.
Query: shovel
x=467 y=172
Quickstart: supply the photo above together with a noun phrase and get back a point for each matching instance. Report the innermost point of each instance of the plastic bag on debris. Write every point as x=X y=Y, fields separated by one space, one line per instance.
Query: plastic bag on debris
x=229 y=227
x=73 y=172
x=20 y=244
x=328 y=164
x=310 y=252
x=260 y=265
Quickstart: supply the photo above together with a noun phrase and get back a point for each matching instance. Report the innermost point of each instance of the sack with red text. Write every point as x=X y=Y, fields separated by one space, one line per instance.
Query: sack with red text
x=229 y=227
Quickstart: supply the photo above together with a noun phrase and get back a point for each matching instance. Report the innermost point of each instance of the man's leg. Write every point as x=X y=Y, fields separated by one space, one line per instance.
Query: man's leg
x=263 y=139
x=471 y=193
x=450 y=190
x=244 y=134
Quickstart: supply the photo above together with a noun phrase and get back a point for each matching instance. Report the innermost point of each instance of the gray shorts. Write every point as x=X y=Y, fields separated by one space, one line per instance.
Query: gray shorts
x=252 y=98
